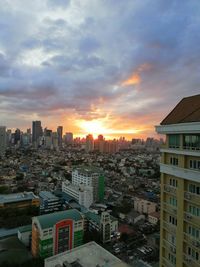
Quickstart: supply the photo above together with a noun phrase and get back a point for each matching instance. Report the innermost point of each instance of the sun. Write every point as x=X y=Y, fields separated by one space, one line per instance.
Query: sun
x=94 y=127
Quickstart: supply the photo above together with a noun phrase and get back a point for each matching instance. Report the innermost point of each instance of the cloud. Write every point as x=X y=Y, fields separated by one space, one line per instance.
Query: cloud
x=74 y=58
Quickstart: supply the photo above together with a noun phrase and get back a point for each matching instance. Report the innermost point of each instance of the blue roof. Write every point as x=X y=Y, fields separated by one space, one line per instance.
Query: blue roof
x=17 y=197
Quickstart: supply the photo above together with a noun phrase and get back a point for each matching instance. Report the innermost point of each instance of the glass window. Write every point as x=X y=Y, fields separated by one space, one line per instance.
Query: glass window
x=191 y=141
x=174 y=141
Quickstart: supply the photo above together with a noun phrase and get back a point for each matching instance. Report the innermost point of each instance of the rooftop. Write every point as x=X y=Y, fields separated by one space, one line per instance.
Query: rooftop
x=187 y=110
x=88 y=169
x=49 y=220
x=47 y=195
x=17 y=197
x=88 y=255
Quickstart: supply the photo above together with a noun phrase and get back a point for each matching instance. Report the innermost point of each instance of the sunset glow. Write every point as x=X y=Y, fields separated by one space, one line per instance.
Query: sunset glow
x=96 y=127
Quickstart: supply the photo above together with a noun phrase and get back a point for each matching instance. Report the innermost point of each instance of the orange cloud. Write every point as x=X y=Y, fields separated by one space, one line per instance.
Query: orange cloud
x=133 y=80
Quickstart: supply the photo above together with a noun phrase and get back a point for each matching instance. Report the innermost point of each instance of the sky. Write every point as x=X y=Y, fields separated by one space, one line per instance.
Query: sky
x=115 y=67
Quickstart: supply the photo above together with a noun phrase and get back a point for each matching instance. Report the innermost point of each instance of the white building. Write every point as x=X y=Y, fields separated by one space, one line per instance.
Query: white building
x=144 y=206
x=90 y=177
x=82 y=193
x=2 y=139
x=154 y=217
x=87 y=255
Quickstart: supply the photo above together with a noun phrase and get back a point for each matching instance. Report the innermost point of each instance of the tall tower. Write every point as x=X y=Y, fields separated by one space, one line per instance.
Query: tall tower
x=2 y=139
x=36 y=131
x=60 y=134
x=89 y=146
x=180 y=185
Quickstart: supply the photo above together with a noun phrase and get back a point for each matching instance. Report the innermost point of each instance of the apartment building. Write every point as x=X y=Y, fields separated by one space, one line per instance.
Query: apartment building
x=90 y=176
x=180 y=185
x=56 y=232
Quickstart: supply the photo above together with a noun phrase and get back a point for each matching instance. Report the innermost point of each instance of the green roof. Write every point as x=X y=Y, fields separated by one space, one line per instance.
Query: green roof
x=49 y=220
x=93 y=216
x=25 y=228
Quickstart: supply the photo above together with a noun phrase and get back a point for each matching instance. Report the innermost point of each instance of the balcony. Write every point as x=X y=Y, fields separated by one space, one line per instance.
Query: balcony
x=167 y=263
x=191 y=218
x=189 y=261
x=192 y=241
x=169 y=189
x=169 y=208
x=169 y=246
x=192 y=197
x=169 y=227
x=187 y=174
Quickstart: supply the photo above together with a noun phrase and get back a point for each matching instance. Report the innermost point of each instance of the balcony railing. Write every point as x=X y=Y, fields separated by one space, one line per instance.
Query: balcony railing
x=189 y=261
x=192 y=218
x=192 y=197
x=191 y=148
x=192 y=241
x=171 y=247
x=170 y=189
x=167 y=263
x=170 y=227
x=169 y=208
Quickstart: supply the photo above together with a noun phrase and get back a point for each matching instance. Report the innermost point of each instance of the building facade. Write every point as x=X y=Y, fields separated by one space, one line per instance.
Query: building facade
x=19 y=200
x=49 y=202
x=36 y=131
x=180 y=185
x=83 y=194
x=90 y=176
x=144 y=206
x=56 y=232
x=3 y=139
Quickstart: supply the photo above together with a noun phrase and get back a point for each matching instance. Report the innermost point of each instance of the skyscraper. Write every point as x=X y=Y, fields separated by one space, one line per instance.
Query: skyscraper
x=60 y=134
x=180 y=185
x=89 y=145
x=68 y=138
x=36 y=131
x=2 y=139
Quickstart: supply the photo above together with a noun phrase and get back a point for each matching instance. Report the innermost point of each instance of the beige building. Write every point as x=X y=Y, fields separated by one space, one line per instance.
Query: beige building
x=180 y=185
x=144 y=206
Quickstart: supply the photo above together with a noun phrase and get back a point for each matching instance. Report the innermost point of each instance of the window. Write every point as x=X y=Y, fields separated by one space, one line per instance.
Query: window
x=192 y=188
x=194 y=210
x=174 y=141
x=172 y=220
x=194 y=232
x=191 y=141
x=195 y=164
x=172 y=258
x=173 y=201
x=174 y=161
x=193 y=253
x=173 y=182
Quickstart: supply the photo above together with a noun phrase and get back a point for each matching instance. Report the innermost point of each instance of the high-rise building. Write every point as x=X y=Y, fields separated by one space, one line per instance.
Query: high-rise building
x=90 y=176
x=2 y=139
x=68 y=138
x=89 y=144
x=180 y=185
x=36 y=131
x=60 y=134
x=17 y=136
x=56 y=232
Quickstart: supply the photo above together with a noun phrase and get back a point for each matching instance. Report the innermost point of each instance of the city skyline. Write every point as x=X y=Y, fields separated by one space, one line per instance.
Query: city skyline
x=96 y=66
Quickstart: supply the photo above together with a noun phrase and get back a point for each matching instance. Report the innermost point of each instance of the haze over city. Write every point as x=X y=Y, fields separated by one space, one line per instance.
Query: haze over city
x=103 y=67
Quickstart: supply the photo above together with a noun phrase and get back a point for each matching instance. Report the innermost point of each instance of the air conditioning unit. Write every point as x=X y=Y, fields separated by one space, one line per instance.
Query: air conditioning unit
x=187 y=196
x=196 y=243
x=188 y=217
x=187 y=258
